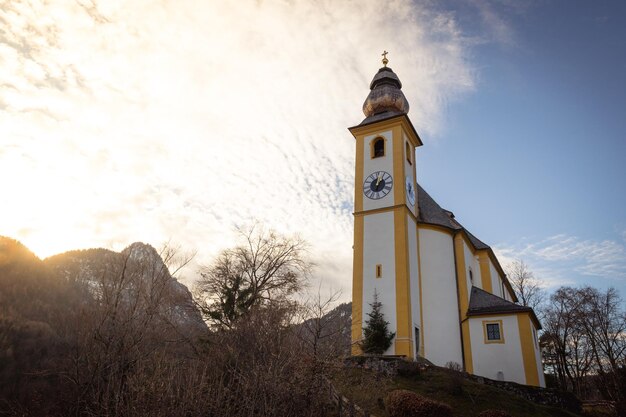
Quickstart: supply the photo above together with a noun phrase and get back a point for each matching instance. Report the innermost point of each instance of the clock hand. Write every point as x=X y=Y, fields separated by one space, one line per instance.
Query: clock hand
x=380 y=177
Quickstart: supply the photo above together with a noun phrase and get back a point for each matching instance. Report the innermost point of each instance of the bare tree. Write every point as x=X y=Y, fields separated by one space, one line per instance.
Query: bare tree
x=264 y=267
x=564 y=340
x=603 y=317
x=136 y=310
x=322 y=326
x=526 y=286
x=584 y=340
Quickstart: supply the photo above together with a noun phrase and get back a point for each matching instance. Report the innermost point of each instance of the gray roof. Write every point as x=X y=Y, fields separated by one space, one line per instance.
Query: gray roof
x=431 y=213
x=478 y=244
x=481 y=303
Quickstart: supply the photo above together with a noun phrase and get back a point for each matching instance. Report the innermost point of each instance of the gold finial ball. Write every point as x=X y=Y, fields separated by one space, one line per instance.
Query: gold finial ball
x=385 y=60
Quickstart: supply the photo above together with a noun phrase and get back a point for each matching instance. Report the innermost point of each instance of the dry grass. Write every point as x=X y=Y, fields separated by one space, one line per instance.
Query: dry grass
x=369 y=391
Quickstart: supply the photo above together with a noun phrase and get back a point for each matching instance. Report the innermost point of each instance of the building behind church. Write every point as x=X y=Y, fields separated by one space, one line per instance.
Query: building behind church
x=442 y=290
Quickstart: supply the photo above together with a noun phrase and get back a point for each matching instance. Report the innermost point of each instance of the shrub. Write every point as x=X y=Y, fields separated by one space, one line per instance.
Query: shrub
x=399 y=403
x=454 y=366
x=431 y=408
x=455 y=381
x=403 y=403
x=408 y=368
x=494 y=413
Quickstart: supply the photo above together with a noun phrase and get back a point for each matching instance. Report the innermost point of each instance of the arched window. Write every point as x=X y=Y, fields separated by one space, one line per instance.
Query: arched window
x=378 y=148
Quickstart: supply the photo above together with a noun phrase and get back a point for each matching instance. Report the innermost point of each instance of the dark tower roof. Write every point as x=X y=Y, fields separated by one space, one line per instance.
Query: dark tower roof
x=385 y=95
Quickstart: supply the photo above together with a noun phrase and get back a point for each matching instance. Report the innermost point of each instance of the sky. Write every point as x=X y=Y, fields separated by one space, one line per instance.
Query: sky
x=177 y=121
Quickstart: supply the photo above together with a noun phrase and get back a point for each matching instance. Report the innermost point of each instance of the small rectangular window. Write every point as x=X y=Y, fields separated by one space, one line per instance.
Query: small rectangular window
x=408 y=152
x=417 y=341
x=379 y=271
x=493 y=331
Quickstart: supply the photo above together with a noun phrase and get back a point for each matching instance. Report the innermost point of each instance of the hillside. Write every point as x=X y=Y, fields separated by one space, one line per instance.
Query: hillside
x=138 y=267
x=78 y=324
x=467 y=398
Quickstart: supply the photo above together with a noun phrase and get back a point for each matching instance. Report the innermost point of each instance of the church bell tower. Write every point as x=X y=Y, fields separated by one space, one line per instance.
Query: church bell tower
x=385 y=216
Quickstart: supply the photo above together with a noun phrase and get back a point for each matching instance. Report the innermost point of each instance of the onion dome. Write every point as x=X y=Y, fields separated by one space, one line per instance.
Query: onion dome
x=385 y=94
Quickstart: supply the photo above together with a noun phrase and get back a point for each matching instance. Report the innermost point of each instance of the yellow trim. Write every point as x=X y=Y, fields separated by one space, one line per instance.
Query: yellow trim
x=372 y=147
x=461 y=276
x=498 y=322
x=374 y=128
x=419 y=282
x=528 y=350
x=386 y=209
x=468 y=242
x=357 y=286
x=435 y=228
x=485 y=271
x=358 y=176
x=414 y=174
x=404 y=340
x=398 y=166
x=402 y=120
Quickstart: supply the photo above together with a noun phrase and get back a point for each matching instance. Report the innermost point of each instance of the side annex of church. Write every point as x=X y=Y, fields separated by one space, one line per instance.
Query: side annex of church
x=442 y=290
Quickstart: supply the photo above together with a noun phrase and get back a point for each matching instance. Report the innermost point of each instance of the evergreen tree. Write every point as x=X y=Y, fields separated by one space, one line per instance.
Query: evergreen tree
x=377 y=337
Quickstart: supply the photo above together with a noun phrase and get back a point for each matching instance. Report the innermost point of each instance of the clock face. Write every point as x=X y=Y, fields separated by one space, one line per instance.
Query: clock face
x=410 y=190
x=377 y=185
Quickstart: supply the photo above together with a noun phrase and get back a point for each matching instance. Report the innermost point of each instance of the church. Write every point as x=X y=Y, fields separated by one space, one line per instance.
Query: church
x=442 y=290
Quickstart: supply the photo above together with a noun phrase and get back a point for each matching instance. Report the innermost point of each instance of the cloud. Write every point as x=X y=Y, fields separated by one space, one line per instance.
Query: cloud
x=496 y=27
x=569 y=260
x=154 y=121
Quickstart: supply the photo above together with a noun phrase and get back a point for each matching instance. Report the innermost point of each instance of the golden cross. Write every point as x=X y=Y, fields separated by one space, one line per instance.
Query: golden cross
x=385 y=60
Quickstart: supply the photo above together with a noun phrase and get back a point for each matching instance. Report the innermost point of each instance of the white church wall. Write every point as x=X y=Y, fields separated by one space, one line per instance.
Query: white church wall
x=440 y=305
x=469 y=264
x=414 y=279
x=506 y=294
x=489 y=359
x=384 y=163
x=378 y=233
x=496 y=282
x=477 y=274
